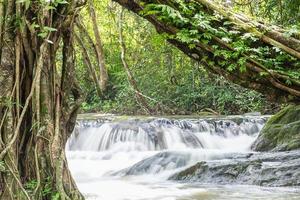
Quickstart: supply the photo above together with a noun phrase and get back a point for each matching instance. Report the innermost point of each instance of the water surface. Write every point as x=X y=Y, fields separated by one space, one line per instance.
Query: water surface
x=132 y=159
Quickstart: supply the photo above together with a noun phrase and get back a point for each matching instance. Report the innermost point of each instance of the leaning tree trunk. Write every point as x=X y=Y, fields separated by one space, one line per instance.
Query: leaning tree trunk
x=39 y=98
x=249 y=53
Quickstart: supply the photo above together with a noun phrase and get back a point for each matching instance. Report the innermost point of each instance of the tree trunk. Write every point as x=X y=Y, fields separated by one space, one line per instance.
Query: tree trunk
x=243 y=51
x=89 y=64
x=99 y=48
x=39 y=100
x=139 y=96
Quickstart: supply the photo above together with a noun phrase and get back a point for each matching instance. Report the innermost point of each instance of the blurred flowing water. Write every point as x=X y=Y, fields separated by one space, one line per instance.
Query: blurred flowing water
x=133 y=159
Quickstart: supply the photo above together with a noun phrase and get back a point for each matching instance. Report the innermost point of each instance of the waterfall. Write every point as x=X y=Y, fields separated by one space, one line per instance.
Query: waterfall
x=160 y=134
x=143 y=159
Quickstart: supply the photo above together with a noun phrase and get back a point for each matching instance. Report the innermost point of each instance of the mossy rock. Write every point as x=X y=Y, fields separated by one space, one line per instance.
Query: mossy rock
x=281 y=132
x=276 y=169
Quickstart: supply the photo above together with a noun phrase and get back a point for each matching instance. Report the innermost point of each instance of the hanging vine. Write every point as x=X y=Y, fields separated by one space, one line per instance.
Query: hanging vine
x=39 y=98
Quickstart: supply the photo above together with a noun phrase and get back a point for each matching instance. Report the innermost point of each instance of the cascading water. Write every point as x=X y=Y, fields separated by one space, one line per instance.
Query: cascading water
x=134 y=159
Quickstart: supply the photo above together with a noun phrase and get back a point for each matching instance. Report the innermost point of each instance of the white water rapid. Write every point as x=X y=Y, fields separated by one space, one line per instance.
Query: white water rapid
x=133 y=159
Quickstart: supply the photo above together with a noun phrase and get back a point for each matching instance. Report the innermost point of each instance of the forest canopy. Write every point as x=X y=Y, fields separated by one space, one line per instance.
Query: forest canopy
x=176 y=83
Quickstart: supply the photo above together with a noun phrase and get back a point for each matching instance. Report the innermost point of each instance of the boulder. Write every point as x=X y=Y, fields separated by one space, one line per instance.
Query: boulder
x=263 y=169
x=281 y=132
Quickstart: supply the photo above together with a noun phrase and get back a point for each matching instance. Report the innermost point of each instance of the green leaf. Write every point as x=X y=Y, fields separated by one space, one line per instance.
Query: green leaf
x=288 y=82
x=2 y=167
x=231 y=67
x=49 y=29
x=263 y=73
x=43 y=34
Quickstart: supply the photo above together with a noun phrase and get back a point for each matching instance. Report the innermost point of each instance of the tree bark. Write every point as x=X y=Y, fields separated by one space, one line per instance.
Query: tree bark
x=39 y=100
x=99 y=48
x=89 y=64
x=278 y=82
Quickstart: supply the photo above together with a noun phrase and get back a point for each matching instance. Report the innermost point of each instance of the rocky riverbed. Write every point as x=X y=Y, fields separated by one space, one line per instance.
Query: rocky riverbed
x=190 y=158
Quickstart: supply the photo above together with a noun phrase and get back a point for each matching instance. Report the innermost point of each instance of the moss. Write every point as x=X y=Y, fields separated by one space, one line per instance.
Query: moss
x=282 y=131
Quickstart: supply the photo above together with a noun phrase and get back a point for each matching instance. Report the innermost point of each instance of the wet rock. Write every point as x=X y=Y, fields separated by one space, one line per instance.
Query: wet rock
x=264 y=169
x=170 y=160
x=157 y=163
x=281 y=132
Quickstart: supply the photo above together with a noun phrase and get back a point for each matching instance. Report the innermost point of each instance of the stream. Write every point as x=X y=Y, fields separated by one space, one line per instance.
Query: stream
x=187 y=158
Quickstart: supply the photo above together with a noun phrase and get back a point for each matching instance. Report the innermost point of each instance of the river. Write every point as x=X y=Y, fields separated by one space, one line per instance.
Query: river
x=136 y=158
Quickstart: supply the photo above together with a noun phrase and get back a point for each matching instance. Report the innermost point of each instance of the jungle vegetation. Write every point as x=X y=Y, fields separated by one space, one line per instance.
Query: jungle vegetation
x=62 y=57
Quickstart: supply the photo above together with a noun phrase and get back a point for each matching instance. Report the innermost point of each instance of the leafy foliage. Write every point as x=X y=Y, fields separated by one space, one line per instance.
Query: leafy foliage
x=283 y=12
x=201 y=27
x=30 y=186
x=171 y=81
